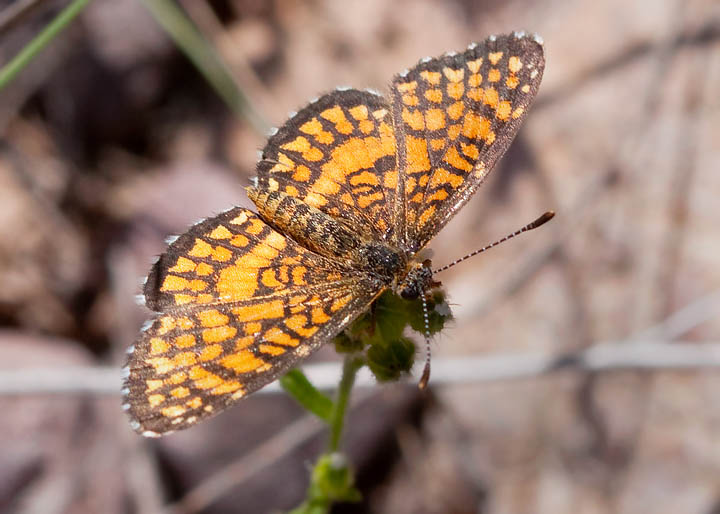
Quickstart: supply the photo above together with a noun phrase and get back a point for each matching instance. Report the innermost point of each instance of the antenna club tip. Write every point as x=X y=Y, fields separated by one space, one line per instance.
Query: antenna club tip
x=422 y=385
x=544 y=218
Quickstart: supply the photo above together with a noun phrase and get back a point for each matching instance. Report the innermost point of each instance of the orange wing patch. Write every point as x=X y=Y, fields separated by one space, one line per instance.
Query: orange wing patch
x=180 y=376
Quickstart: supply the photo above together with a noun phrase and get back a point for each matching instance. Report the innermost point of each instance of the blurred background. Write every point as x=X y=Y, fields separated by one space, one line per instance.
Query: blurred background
x=587 y=351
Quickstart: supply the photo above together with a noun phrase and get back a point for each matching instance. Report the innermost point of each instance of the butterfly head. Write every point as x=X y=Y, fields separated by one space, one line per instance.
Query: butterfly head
x=418 y=281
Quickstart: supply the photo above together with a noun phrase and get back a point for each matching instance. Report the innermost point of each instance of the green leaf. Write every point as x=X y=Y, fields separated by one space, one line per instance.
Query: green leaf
x=345 y=343
x=389 y=355
x=299 y=387
x=391 y=317
x=390 y=361
x=438 y=313
x=332 y=479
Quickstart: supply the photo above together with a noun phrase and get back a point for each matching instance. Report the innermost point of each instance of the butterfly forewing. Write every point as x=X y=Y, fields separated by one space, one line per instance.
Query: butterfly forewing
x=455 y=116
x=337 y=154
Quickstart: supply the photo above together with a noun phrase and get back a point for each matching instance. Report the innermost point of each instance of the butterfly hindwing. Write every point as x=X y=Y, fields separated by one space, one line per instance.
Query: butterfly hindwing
x=239 y=304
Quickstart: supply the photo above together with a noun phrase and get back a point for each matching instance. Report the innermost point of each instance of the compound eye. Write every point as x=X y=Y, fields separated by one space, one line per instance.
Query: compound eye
x=410 y=293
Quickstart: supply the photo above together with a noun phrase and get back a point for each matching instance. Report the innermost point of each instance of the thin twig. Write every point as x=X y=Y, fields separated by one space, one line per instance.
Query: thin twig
x=641 y=355
x=683 y=320
x=106 y=380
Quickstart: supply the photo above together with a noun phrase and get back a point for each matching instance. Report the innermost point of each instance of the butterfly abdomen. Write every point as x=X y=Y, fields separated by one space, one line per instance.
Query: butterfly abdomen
x=307 y=225
x=325 y=234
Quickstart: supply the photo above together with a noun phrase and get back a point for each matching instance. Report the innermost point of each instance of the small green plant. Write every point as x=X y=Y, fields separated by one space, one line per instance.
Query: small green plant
x=376 y=339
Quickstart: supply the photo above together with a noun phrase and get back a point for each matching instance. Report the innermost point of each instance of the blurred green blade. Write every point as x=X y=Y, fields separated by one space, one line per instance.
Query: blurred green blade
x=34 y=47
x=186 y=36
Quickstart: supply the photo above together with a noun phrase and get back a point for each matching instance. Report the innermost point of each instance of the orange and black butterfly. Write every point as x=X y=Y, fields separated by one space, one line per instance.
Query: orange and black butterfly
x=348 y=192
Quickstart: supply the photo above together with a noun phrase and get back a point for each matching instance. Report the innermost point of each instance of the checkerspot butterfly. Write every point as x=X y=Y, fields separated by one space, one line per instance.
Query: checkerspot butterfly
x=347 y=192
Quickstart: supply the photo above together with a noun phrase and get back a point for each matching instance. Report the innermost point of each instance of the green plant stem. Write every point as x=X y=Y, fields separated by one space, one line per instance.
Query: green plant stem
x=337 y=420
x=185 y=35
x=23 y=58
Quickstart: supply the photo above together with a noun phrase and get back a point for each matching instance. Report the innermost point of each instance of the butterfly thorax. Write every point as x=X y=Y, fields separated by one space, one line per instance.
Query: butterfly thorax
x=327 y=235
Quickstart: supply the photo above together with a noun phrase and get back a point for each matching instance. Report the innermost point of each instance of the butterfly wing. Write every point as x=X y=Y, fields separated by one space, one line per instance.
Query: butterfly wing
x=455 y=116
x=239 y=305
x=338 y=155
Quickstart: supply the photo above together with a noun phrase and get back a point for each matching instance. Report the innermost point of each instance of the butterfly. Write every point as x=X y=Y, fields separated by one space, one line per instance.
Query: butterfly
x=348 y=191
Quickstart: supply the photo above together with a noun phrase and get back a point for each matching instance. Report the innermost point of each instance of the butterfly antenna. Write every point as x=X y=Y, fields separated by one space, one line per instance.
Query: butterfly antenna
x=535 y=224
x=426 y=371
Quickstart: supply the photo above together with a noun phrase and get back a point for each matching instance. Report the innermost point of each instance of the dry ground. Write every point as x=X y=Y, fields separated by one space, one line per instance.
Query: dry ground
x=111 y=141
